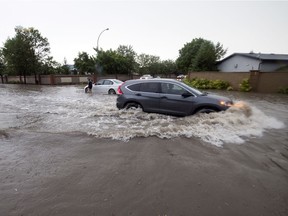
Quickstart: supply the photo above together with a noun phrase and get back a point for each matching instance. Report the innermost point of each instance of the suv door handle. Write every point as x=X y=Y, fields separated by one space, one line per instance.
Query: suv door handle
x=164 y=97
x=138 y=94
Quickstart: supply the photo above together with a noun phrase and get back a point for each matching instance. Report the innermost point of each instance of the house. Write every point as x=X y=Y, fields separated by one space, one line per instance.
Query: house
x=246 y=62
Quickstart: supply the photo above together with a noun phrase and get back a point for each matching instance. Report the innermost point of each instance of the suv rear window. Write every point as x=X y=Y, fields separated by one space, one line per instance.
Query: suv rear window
x=145 y=87
x=135 y=87
x=149 y=87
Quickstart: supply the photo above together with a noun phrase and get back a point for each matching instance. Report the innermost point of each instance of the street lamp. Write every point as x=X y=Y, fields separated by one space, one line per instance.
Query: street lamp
x=97 y=49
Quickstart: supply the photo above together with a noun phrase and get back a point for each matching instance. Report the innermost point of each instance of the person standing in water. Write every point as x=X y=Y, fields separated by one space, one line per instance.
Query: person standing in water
x=88 y=88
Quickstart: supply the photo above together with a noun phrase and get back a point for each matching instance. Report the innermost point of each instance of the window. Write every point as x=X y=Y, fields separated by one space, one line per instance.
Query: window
x=149 y=87
x=168 y=88
x=118 y=81
x=145 y=87
x=107 y=82
x=100 y=82
x=135 y=87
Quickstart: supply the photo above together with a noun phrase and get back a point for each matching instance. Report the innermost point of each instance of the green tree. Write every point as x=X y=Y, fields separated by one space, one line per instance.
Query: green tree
x=26 y=52
x=205 y=58
x=220 y=51
x=2 y=64
x=148 y=64
x=109 y=62
x=199 y=55
x=14 y=50
x=129 y=60
x=168 y=67
x=85 y=63
x=52 y=67
x=121 y=61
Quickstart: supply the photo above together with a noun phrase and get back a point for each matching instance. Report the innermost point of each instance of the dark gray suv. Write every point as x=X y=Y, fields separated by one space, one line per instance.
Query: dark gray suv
x=168 y=96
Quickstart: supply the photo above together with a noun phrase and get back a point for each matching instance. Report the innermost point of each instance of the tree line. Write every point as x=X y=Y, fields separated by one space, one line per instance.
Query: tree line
x=28 y=53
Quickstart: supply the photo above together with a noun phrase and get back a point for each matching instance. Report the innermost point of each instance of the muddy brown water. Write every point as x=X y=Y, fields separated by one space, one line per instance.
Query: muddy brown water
x=63 y=152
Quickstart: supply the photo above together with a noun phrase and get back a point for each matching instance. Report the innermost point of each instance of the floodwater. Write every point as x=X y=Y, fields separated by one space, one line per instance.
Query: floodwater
x=67 y=110
x=64 y=152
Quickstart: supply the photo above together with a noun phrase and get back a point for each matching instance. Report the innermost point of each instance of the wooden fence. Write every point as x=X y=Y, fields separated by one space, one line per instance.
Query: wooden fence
x=265 y=82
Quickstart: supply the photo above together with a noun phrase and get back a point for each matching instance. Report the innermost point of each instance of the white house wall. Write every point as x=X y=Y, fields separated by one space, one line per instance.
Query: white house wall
x=239 y=64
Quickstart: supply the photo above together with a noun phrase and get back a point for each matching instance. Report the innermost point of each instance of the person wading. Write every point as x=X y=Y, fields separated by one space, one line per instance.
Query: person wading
x=88 y=88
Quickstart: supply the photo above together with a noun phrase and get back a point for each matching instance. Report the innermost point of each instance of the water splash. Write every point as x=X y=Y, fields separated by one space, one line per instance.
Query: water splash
x=68 y=110
x=240 y=122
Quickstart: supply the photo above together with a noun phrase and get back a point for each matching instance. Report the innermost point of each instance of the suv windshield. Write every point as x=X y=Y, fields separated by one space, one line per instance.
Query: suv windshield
x=194 y=90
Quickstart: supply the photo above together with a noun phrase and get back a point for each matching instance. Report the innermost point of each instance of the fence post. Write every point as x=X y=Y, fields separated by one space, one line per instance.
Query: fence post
x=254 y=79
x=52 y=79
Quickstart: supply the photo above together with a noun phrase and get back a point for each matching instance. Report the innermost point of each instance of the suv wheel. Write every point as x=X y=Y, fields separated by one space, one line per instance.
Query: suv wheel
x=132 y=105
x=206 y=110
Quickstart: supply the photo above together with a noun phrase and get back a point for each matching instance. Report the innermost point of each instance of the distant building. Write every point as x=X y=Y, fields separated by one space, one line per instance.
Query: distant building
x=245 y=62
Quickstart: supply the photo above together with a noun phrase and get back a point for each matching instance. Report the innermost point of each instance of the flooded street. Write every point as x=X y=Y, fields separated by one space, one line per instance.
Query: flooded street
x=64 y=152
x=67 y=110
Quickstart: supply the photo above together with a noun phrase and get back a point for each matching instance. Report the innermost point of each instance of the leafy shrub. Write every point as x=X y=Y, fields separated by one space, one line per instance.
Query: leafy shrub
x=220 y=84
x=283 y=90
x=245 y=85
x=230 y=88
x=201 y=83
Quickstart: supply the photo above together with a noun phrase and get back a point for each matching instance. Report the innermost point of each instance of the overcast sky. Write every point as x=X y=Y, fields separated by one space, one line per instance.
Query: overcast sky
x=159 y=28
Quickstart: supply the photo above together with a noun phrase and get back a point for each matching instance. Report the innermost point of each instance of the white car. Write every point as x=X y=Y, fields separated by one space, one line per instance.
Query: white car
x=146 y=76
x=106 y=86
x=181 y=77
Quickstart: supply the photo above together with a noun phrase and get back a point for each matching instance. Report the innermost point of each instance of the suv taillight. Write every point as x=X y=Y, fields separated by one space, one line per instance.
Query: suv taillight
x=119 y=91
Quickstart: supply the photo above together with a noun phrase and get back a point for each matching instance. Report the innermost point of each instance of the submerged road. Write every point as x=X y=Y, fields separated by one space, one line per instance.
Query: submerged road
x=90 y=166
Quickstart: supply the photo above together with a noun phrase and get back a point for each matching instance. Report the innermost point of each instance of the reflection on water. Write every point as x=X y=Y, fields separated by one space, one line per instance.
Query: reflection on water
x=68 y=109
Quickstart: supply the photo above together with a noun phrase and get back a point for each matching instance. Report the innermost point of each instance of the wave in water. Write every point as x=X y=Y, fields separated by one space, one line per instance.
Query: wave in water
x=240 y=122
x=68 y=110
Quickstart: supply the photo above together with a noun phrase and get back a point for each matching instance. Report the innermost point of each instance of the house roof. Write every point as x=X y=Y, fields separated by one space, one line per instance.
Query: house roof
x=260 y=56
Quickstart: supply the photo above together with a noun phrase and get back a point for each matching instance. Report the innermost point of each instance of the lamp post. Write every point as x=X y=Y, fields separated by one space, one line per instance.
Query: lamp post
x=97 y=49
